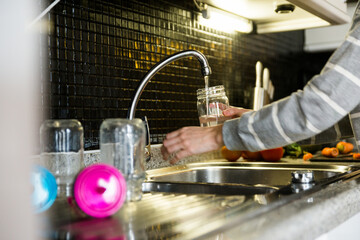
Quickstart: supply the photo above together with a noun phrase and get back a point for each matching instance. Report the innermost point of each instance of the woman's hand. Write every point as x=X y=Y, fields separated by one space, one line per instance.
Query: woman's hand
x=188 y=141
x=191 y=140
x=235 y=112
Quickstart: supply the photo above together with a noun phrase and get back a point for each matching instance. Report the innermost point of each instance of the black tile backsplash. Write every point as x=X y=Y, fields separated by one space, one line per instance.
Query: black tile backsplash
x=99 y=50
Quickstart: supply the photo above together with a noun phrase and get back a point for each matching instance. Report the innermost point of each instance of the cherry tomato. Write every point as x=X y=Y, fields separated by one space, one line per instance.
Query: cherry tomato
x=251 y=155
x=272 y=155
x=229 y=155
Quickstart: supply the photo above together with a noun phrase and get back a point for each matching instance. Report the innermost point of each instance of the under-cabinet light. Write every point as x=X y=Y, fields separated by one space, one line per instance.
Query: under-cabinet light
x=224 y=21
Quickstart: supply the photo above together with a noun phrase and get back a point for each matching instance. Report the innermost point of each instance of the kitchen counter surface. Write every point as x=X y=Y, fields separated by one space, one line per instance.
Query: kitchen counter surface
x=180 y=216
x=306 y=218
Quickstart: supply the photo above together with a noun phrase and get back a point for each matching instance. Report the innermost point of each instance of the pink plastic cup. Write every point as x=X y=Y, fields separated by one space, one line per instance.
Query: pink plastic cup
x=100 y=190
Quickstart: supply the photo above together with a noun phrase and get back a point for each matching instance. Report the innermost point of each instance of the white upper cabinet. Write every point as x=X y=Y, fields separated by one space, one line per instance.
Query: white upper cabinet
x=327 y=38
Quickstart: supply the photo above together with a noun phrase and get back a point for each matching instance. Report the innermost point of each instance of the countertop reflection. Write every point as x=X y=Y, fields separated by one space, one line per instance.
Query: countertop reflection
x=156 y=216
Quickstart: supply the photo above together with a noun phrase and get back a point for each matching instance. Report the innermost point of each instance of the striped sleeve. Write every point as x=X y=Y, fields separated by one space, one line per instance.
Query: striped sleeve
x=341 y=130
x=355 y=123
x=326 y=99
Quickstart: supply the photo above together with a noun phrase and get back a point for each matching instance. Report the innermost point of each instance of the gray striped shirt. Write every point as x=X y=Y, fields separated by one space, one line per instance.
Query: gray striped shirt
x=324 y=101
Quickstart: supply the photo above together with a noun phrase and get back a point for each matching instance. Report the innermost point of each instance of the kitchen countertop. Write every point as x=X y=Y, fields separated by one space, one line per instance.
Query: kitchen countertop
x=305 y=218
x=179 y=216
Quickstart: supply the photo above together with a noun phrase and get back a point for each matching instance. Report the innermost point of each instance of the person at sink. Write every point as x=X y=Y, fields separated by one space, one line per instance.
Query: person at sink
x=326 y=99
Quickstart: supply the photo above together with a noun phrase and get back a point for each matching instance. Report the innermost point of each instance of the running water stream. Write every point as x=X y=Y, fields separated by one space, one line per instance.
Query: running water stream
x=206 y=78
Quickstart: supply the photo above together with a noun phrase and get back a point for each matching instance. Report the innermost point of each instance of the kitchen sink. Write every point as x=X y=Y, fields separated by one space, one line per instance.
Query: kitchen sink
x=237 y=178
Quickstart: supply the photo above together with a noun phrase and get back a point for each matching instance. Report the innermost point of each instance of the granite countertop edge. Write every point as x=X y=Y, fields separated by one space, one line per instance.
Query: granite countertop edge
x=156 y=161
x=305 y=218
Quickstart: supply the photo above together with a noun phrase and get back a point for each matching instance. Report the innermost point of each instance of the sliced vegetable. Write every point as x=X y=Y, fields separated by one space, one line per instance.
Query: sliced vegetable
x=345 y=147
x=307 y=156
x=330 y=152
x=356 y=156
x=293 y=150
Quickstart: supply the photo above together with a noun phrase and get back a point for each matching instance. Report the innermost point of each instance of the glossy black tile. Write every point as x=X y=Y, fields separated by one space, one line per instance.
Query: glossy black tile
x=99 y=50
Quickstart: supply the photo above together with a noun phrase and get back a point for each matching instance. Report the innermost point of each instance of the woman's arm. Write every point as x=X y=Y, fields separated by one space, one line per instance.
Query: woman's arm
x=326 y=99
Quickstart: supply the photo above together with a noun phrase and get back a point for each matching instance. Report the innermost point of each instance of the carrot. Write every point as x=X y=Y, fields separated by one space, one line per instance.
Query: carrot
x=330 y=152
x=307 y=156
x=345 y=147
x=356 y=156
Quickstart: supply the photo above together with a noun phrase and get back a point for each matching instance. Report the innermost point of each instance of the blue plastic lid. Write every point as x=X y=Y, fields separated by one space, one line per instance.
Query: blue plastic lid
x=45 y=188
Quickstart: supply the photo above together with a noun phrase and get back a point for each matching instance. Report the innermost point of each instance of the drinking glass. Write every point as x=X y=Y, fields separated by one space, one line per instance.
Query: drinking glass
x=122 y=144
x=210 y=104
x=62 y=151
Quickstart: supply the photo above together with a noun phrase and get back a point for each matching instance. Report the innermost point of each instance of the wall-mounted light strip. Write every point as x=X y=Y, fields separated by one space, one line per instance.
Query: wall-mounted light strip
x=291 y=25
x=224 y=21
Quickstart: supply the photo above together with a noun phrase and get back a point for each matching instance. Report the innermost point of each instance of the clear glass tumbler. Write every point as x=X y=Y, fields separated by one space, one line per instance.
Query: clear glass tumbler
x=62 y=151
x=122 y=144
x=210 y=104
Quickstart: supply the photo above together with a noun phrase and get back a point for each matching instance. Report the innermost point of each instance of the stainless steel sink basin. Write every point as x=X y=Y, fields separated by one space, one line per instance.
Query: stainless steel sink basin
x=239 y=178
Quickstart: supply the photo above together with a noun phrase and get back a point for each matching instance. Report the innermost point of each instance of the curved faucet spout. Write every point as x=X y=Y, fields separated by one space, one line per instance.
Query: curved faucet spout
x=205 y=70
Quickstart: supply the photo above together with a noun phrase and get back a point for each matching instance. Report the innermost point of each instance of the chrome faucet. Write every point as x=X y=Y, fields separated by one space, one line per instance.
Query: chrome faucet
x=205 y=70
